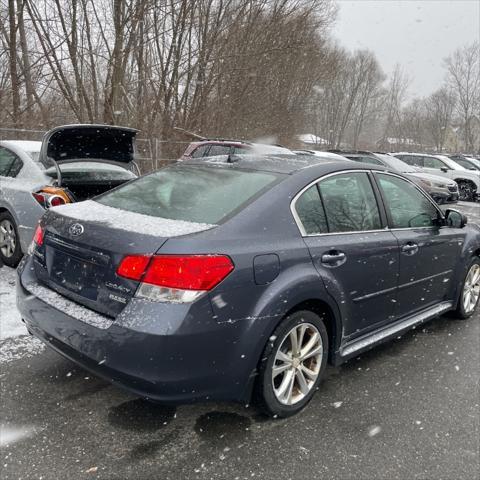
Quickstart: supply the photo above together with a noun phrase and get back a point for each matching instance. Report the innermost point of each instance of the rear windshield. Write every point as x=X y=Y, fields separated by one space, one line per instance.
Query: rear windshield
x=189 y=193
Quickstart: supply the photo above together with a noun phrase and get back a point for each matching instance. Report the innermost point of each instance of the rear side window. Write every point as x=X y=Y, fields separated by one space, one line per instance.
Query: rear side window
x=310 y=211
x=200 y=151
x=466 y=164
x=407 y=206
x=190 y=193
x=340 y=203
x=350 y=203
x=10 y=164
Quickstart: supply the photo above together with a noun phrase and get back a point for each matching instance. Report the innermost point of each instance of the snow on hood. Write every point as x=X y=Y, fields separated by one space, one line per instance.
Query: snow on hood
x=91 y=211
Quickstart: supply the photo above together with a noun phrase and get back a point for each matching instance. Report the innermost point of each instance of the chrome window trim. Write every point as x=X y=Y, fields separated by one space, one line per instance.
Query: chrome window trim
x=311 y=184
x=388 y=228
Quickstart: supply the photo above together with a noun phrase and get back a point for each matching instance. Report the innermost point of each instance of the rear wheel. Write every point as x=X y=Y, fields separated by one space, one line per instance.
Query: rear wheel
x=470 y=292
x=10 y=251
x=293 y=364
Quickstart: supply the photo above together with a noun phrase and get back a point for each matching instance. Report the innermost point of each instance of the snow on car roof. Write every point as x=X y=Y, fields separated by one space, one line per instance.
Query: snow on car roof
x=25 y=145
x=268 y=163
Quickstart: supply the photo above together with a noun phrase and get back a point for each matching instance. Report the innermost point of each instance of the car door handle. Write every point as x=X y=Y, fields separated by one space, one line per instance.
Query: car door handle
x=410 y=248
x=333 y=258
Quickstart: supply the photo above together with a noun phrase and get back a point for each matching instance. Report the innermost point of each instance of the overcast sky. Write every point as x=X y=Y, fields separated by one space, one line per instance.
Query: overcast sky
x=418 y=34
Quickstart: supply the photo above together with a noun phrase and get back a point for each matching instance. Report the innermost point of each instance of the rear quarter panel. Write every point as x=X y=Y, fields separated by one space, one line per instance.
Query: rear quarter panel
x=16 y=197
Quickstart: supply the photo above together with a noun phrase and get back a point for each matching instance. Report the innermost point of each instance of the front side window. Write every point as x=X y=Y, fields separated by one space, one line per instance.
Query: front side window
x=408 y=207
x=432 y=162
x=310 y=211
x=10 y=164
x=412 y=160
x=219 y=150
x=349 y=202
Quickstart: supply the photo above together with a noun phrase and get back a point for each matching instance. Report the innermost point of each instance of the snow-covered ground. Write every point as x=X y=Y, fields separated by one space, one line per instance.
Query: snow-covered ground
x=15 y=341
x=10 y=324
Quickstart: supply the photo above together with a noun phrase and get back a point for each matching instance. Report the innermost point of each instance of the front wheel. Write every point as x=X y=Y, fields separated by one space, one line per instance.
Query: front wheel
x=466 y=191
x=470 y=292
x=293 y=364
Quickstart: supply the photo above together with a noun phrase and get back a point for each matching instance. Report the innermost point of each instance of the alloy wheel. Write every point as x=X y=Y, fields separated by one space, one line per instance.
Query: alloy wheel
x=465 y=191
x=297 y=364
x=8 y=238
x=471 y=289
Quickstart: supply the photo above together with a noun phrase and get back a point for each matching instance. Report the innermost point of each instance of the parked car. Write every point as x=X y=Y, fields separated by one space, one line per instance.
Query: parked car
x=469 y=163
x=442 y=190
x=73 y=163
x=468 y=181
x=215 y=147
x=231 y=280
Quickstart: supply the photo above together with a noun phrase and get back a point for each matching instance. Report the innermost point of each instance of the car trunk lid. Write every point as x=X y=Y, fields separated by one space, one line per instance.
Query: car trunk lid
x=85 y=243
x=99 y=143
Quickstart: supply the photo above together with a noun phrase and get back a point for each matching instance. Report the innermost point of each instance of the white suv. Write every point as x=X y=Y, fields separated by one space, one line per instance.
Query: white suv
x=468 y=180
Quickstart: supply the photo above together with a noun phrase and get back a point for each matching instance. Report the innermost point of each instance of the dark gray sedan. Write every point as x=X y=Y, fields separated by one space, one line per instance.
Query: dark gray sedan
x=240 y=277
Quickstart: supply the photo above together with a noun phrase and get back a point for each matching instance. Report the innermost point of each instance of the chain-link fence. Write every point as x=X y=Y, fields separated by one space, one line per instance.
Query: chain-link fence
x=152 y=153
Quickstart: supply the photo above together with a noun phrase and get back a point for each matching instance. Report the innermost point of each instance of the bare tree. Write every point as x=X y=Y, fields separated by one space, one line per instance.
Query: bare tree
x=438 y=115
x=394 y=99
x=463 y=75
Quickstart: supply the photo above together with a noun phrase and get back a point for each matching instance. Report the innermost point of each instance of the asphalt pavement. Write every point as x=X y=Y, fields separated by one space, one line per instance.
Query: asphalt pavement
x=408 y=409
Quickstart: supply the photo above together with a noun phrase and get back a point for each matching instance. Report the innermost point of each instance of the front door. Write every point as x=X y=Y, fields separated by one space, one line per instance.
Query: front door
x=428 y=252
x=350 y=247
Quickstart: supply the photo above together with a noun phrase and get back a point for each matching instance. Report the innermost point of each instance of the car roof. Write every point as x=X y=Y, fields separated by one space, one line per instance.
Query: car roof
x=286 y=164
x=25 y=145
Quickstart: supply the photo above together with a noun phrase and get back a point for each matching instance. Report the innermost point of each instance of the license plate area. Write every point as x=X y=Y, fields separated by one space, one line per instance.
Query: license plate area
x=76 y=275
x=75 y=269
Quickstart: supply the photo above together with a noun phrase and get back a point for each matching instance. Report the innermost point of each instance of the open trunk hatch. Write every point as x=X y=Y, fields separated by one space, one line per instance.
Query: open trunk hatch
x=71 y=143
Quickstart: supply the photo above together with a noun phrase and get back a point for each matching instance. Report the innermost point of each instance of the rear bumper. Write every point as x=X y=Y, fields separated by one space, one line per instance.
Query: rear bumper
x=167 y=353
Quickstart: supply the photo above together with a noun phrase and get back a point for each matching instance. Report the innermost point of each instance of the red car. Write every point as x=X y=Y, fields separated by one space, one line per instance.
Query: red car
x=211 y=148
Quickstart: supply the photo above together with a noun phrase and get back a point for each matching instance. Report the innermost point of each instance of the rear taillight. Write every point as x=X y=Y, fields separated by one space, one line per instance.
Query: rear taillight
x=38 y=236
x=175 y=278
x=56 y=200
x=134 y=266
x=37 y=240
x=51 y=197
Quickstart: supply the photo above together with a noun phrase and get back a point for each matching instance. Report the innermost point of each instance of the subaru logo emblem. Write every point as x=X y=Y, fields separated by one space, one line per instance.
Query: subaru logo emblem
x=76 y=229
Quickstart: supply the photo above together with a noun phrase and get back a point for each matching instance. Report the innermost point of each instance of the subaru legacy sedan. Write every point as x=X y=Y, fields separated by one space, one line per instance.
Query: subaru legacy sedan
x=237 y=278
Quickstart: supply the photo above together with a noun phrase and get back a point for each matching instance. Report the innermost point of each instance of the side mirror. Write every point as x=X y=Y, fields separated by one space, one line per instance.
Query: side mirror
x=444 y=169
x=455 y=219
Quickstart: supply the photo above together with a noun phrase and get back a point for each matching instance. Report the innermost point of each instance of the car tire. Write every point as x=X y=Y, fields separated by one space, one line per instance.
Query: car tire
x=10 y=250
x=469 y=295
x=296 y=378
x=466 y=191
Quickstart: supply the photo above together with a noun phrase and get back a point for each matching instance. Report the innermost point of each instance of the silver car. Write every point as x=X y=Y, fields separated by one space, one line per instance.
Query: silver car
x=72 y=163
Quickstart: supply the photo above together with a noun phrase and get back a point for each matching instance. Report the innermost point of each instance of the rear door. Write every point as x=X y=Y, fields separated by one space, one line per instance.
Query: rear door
x=428 y=252
x=344 y=229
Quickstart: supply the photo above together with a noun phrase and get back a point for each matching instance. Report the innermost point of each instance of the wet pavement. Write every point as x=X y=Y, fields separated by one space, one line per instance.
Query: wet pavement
x=405 y=410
